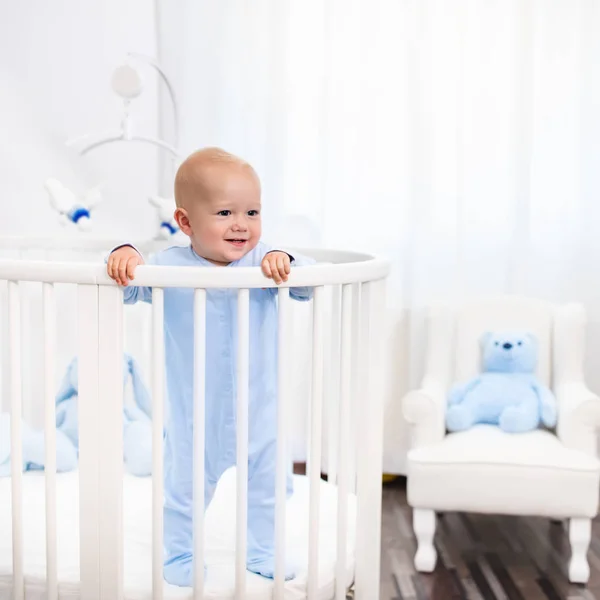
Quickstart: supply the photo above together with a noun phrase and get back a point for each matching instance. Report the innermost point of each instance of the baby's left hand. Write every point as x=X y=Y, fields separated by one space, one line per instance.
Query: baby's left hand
x=276 y=266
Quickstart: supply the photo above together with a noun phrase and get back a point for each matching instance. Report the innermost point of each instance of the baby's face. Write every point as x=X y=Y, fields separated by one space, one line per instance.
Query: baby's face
x=226 y=223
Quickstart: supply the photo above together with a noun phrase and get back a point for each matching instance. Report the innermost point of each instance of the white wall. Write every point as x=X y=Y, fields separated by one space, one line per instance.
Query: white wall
x=56 y=60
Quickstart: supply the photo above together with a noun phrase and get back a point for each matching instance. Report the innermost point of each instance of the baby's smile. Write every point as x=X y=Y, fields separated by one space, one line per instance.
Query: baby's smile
x=237 y=242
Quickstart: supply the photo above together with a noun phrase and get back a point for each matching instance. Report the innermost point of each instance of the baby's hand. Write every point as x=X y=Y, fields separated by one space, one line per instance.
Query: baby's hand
x=276 y=266
x=122 y=263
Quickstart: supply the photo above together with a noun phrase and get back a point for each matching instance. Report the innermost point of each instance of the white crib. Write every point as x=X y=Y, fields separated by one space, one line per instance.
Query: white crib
x=97 y=532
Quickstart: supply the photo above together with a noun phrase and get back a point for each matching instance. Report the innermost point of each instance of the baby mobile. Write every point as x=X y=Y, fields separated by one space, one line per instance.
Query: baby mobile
x=127 y=84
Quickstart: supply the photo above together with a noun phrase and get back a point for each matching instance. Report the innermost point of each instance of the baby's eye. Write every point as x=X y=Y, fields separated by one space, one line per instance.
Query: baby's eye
x=496 y=343
x=520 y=343
x=252 y=213
x=224 y=213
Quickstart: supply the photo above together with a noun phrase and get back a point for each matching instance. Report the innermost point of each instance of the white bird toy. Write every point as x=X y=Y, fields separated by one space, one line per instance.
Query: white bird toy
x=165 y=208
x=64 y=201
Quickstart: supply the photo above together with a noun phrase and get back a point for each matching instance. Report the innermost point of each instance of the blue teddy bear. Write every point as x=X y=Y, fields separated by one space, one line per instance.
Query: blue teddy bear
x=507 y=393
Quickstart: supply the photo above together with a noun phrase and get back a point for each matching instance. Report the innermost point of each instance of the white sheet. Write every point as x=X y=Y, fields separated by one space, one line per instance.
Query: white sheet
x=137 y=501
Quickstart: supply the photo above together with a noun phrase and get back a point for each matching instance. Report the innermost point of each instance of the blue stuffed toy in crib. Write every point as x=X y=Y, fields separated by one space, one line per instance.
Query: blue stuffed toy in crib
x=507 y=392
x=137 y=428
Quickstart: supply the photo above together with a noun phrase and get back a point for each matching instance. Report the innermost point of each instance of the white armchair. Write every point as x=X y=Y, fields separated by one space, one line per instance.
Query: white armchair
x=484 y=470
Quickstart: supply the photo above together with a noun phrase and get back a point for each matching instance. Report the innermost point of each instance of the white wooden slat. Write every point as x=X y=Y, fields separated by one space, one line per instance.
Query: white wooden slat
x=356 y=382
x=333 y=385
x=89 y=444
x=284 y=345
x=49 y=342
x=370 y=461
x=16 y=450
x=243 y=378
x=110 y=396
x=199 y=438
x=343 y=449
x=25 y=292
x=316 y=443
x=158 y=391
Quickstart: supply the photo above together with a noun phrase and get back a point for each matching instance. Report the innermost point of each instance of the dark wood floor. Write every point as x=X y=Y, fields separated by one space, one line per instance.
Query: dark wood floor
x=481 y=557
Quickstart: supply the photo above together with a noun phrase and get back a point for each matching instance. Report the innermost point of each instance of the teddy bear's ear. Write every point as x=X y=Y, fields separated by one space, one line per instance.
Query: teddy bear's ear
x=485 y=338
x=532 y=338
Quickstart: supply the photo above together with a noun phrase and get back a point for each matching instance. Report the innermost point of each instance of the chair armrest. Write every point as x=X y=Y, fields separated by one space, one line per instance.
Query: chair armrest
x=578 y=416
x=425 y=410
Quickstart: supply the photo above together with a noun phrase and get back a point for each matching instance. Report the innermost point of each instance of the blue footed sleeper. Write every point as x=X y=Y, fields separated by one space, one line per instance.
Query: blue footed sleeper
x=220 y=410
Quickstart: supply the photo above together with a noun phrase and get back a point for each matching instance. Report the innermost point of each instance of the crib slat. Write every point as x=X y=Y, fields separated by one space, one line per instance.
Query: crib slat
x=356 y=381
x=49 y=320
x=361 y=410
x=16 y=451
x=110 y=381
x=369 y=466
x=283 y=383
x=243 y=371
x=343 y=442
x=315 y=443
x=158 y=382
x=88 y=414
x=25 y=291
x=199 y=437
x=333 y=386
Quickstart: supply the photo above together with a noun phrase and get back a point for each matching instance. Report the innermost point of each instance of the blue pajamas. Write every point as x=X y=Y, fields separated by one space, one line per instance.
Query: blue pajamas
x=220 y=409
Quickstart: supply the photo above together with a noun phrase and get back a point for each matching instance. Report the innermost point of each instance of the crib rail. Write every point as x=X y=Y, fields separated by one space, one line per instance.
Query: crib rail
x=345 y=382
x=363 y=269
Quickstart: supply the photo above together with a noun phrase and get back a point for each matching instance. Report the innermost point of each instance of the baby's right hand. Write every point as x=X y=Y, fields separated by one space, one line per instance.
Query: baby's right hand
x=122 y=263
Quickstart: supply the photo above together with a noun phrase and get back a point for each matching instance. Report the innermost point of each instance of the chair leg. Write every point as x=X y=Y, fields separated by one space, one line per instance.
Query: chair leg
x=580 y=532
x=424 y=528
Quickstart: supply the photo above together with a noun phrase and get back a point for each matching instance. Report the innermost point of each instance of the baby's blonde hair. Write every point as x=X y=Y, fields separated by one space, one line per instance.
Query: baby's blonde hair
x=192 y=174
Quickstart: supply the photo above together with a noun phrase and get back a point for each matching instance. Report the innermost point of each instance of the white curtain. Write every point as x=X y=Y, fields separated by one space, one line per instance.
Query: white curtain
x=459 y=138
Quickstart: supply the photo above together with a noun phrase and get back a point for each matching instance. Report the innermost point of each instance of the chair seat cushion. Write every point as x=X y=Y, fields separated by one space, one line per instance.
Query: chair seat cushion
x=487 y=470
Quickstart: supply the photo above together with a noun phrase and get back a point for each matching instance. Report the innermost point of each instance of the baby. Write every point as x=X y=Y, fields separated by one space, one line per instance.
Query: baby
x=218 y=198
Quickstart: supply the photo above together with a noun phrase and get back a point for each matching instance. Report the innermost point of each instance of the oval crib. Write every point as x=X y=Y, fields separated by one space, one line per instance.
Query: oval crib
x=338 y=540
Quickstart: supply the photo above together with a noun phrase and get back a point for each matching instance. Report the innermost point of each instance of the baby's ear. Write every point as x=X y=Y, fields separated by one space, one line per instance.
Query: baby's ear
x=485 y=338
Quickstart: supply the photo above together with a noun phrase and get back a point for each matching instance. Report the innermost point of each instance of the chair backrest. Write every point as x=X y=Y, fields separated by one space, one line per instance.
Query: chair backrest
x=509 y=312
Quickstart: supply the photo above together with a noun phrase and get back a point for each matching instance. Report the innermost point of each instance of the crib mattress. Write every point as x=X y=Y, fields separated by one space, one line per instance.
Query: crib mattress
x=137 y=548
